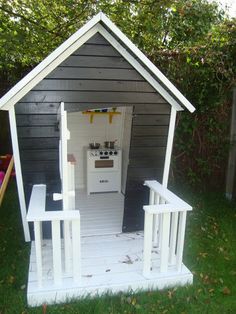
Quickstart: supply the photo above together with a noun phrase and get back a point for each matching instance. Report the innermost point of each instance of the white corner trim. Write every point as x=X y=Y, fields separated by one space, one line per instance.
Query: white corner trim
x=169 y=147
x=138 y=67
x=19 y=179
x=147 y=62
x=49 y=63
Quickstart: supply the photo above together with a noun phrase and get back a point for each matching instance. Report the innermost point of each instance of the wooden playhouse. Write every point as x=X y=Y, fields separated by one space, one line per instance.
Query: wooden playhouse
x=90 y=203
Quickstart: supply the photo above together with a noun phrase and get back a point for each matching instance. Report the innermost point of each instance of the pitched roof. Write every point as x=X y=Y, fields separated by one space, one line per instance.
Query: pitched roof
x=102 y=24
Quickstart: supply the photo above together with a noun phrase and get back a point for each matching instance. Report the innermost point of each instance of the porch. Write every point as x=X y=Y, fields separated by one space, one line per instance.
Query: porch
x=73 y=266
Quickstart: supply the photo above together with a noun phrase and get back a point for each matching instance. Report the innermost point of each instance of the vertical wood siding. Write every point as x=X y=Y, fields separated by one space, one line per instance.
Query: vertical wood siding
x=95 y=76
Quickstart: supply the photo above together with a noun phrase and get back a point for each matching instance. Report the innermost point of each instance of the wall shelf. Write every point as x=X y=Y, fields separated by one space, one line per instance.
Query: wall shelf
x=110 y=114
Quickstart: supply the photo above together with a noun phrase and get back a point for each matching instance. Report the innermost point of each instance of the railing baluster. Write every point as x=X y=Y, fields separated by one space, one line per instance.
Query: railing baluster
x=38 y=250
x=180 y=243
x=76 y=250
x=67 y=245
x=173 y=237
x=164 y=244
x=147 y=249
x=56 y=250
x=156 y=221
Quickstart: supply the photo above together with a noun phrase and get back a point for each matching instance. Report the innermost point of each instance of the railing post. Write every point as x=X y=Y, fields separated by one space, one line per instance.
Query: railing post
x=180 y=243
x=56 y=250
x=67 y=245
x=164 y=244
x=147 y=249
x=173 y=237
x=38 y=250
x=156 y=221
x=76 y=250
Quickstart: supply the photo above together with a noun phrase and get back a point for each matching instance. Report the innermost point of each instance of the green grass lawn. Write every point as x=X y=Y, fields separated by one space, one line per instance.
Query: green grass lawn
x=210 y=253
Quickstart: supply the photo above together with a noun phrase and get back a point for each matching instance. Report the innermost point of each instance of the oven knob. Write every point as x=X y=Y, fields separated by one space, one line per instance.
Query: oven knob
x=101 y=153
x=105 y=153
x=111 y=153
x=115 y=152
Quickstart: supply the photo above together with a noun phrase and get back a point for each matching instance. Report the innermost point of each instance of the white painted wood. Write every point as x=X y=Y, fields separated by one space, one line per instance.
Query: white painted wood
x=109 y=263
x=67 y=245
x=49 y=64
x=63 y=159
x=164 y=244
x=169 y=147
x=180 y=242
x=146 y=62
x=137 y=65
x=173 y=237
x=166 y=194
x=37 y=202
x=147 y=247
x=19 y=179
x=76 y=250
x=164 y=208
x=101 y=213
x=56 y=248
x=38 y=251
x=156 y=220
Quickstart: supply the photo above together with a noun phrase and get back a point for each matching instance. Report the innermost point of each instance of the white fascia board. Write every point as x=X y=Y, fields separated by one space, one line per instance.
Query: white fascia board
x=147 y=62
x=49 y=64
x=138 y=67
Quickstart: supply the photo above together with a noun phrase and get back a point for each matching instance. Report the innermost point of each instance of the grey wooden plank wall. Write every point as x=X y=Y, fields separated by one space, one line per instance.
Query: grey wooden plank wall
x=95 y=76
x=146 y=161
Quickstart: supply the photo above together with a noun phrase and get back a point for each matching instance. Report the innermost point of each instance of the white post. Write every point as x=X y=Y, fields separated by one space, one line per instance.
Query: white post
x=164 y=245
x=38 y=251
x=67 y=245
x=180 y=243
x=156 y=221
x=147 y=249
x=56 y=250
x=19 y=180
x=76 y=250
x=173 y=237
x=169 y=146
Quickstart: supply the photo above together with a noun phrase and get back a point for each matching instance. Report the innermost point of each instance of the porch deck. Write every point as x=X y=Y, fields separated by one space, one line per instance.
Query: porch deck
x=110 y=263
x=101 y=213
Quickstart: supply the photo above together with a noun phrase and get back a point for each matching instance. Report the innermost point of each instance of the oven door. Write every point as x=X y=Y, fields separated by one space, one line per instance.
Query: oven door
x=101 y=164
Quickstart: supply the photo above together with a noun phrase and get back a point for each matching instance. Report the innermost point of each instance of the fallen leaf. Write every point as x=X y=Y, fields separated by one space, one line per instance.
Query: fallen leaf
x=226 y=291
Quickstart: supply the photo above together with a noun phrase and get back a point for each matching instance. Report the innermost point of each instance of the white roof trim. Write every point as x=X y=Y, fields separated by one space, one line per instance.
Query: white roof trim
x=72 y=44
x=48 y=65
x=148 y=77
x=147 y=62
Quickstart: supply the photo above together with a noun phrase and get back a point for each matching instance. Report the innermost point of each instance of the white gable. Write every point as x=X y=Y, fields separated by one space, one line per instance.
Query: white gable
x=161 y=84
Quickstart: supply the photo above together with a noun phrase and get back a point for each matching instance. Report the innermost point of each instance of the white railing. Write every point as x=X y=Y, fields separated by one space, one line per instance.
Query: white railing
x=59 y=219
x=164 y=229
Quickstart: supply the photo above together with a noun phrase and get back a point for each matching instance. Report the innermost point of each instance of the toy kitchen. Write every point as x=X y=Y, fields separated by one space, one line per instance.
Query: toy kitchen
x=104 y=168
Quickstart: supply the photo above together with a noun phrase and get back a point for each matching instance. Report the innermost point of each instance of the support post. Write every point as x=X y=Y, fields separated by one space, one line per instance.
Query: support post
x=164 y=244
x=56 y=251
x=38 y=250
x=180 y=243
x=169 y=147
x=147 y=249
x=230 y=175
x=19 y=180
x=76 y=250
